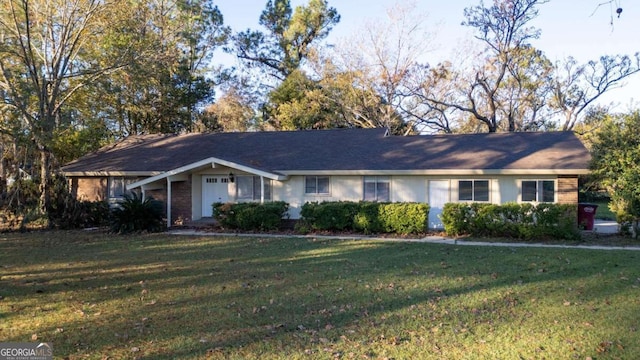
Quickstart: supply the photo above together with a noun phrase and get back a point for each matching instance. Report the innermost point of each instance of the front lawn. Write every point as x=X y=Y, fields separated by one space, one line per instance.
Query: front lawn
x=99 y=296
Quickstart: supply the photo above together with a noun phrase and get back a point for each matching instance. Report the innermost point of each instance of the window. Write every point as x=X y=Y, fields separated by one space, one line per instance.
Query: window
x=473 y=190
x=376 y=188
x=118 y=187
x=316 y=185
x=248 y=188
x=539 y=190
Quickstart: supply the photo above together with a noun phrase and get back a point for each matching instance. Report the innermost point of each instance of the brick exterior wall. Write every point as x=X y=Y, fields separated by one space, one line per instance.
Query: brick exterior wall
x=90 y=188
x=568 y=189
x=181 y=201
x=95 y=189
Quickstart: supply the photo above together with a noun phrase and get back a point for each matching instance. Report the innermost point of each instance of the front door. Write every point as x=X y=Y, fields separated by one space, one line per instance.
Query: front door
x=438 y=196
x=214 y=189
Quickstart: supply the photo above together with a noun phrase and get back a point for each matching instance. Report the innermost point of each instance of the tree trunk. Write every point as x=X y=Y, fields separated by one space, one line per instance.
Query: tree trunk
x=3 y=171
x=45 y=180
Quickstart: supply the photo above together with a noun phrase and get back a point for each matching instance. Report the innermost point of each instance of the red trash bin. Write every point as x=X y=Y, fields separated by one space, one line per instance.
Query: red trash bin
x=587 y=215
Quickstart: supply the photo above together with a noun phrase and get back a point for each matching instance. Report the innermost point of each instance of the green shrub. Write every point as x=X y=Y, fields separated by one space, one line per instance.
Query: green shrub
x=251 y=216
x=23 y=195
x=77 y=214
x=523 y=221
x=367 y=217
x=404 y=218
x=223 y=214
x=21 y=200
x=302 y=227
x=330 y=215
x=20 y=204
x=67 y=212
x=556 y=221
x=456 y=218
x=134 y=214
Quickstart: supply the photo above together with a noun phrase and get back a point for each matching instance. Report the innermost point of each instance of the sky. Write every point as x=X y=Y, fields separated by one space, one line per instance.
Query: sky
x=578 y=28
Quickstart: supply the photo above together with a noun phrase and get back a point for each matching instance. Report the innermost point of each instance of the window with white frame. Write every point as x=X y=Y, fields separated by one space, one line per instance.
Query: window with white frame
x=538 y=190
x=377 y=188
x=249 y=188
x=118 y=186
x=473 y=190
x=316 y=185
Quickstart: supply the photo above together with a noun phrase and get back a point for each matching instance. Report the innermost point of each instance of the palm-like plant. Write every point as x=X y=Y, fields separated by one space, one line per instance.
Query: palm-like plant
x=136 y=214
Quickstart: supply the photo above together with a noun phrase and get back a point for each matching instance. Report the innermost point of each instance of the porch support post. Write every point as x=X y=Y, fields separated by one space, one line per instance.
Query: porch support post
x=261 y=189
x=168 y=201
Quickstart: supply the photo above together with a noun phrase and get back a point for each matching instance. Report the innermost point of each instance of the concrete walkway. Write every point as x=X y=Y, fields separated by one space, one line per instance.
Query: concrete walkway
x=601 y=227
x=606 y=227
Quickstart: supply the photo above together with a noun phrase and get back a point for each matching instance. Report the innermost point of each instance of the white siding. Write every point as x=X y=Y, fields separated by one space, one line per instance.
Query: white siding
x=509 y=189
x=348 y=188
x=405 y=188
x=342 y=188
x=408 y=189
x=494 y=191
x=510 y=186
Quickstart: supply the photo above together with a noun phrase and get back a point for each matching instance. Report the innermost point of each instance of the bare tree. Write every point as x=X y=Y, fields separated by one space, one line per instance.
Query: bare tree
x=503 y=89
x=577 y=87
x=513 y=86
x=430 y=83
x=379 y=61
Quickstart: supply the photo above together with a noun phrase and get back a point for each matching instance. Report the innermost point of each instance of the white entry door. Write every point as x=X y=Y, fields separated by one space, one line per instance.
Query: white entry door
x=214 y=189
x=438 y=196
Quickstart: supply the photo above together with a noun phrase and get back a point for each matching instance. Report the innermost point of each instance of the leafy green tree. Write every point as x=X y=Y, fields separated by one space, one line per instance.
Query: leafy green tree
x=616 y=165
x=300 y=103
x=75 y=72
x=232 y=111
x=289 y=38
x=47 y=53
x=163 y=91
x=71 y=142
x=333 y=98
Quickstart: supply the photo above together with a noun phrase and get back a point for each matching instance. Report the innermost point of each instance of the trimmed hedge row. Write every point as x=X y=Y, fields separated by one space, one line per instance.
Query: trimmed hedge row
x=251 y=216
x=522 y=221
x=366 y=217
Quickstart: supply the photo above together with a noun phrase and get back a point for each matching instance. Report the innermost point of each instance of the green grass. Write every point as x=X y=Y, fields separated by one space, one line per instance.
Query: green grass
x=603 y=212
x=100 y=296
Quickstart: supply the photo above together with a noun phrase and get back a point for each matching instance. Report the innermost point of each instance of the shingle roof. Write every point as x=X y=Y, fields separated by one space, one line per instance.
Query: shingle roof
x=340 y=150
